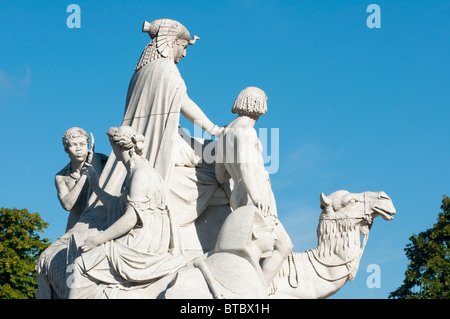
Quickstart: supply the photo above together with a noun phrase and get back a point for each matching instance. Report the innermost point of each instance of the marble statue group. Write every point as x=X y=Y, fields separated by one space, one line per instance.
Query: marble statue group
x=154 y=219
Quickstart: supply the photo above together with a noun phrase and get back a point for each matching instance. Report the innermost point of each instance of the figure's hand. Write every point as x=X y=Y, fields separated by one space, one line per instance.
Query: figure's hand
x=89 y=157
x=91 y=174
x=263 y=207
x=90 y=243
x=217 y=131
x=91 y=151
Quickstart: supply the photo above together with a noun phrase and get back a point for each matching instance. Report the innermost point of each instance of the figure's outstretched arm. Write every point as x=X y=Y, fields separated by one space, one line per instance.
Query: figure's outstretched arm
x=193 y=113
x=120 y=227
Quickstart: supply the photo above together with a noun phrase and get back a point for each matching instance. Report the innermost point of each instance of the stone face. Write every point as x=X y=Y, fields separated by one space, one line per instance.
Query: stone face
x=171 y=216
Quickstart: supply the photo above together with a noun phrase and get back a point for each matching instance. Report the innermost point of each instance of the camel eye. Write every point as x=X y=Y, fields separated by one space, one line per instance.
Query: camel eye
x=383 y=197
x=352 y=201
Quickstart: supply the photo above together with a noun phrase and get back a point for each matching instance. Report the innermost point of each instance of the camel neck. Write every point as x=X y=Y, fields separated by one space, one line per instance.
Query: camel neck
x=338 y=240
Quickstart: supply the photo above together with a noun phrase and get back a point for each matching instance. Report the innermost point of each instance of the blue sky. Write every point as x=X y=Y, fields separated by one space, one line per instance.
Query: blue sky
x=358 y=109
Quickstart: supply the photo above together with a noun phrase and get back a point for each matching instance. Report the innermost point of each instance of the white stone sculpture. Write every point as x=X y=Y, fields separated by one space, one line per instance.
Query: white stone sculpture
x=321 y=272
x=165 y=223
x=239 y=157
x=134 y=250
x=156 y=97
x=72 y=187
x=315 y=273
x=233 y=270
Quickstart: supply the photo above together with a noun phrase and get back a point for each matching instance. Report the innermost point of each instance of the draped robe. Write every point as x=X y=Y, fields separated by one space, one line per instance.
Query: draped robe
x=153 y=105
x=152 y=108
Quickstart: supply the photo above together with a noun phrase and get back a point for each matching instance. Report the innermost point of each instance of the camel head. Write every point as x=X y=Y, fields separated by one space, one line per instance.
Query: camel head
x=368 y=205
x=343 y=214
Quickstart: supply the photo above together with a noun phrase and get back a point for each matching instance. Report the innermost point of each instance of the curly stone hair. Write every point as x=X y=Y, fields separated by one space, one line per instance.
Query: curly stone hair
x=127 y=138
x=163 y=33
x=251 y=101
x=71 y=133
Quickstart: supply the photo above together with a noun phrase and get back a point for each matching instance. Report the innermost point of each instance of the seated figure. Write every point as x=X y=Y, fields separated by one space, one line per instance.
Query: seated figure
x=134 y=249
x=239 y=157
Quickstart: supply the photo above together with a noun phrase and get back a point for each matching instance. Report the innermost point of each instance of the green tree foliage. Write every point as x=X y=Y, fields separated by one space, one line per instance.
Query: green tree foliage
x=20 y=247
x=428 y=273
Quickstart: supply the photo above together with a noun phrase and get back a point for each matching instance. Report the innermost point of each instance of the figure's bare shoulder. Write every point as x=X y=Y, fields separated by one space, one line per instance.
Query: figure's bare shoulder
x=62 y=174
x=62 y=180
x=241 y=133
x=244 y=136
x=142 y=173
x=143 y=178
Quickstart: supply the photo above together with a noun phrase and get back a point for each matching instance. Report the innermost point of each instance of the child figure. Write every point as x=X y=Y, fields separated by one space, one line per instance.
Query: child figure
x=71 y=184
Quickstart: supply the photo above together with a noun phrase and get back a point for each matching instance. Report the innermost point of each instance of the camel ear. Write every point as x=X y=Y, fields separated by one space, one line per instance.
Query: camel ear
x=324 y=201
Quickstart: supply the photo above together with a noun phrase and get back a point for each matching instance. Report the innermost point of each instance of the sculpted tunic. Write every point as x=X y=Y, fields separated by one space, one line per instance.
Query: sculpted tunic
x=134 y=259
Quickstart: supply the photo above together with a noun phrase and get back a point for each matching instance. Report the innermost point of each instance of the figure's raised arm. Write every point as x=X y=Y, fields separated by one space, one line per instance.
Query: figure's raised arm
x=140 y=186
x=68 y=197
x=92 y=175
